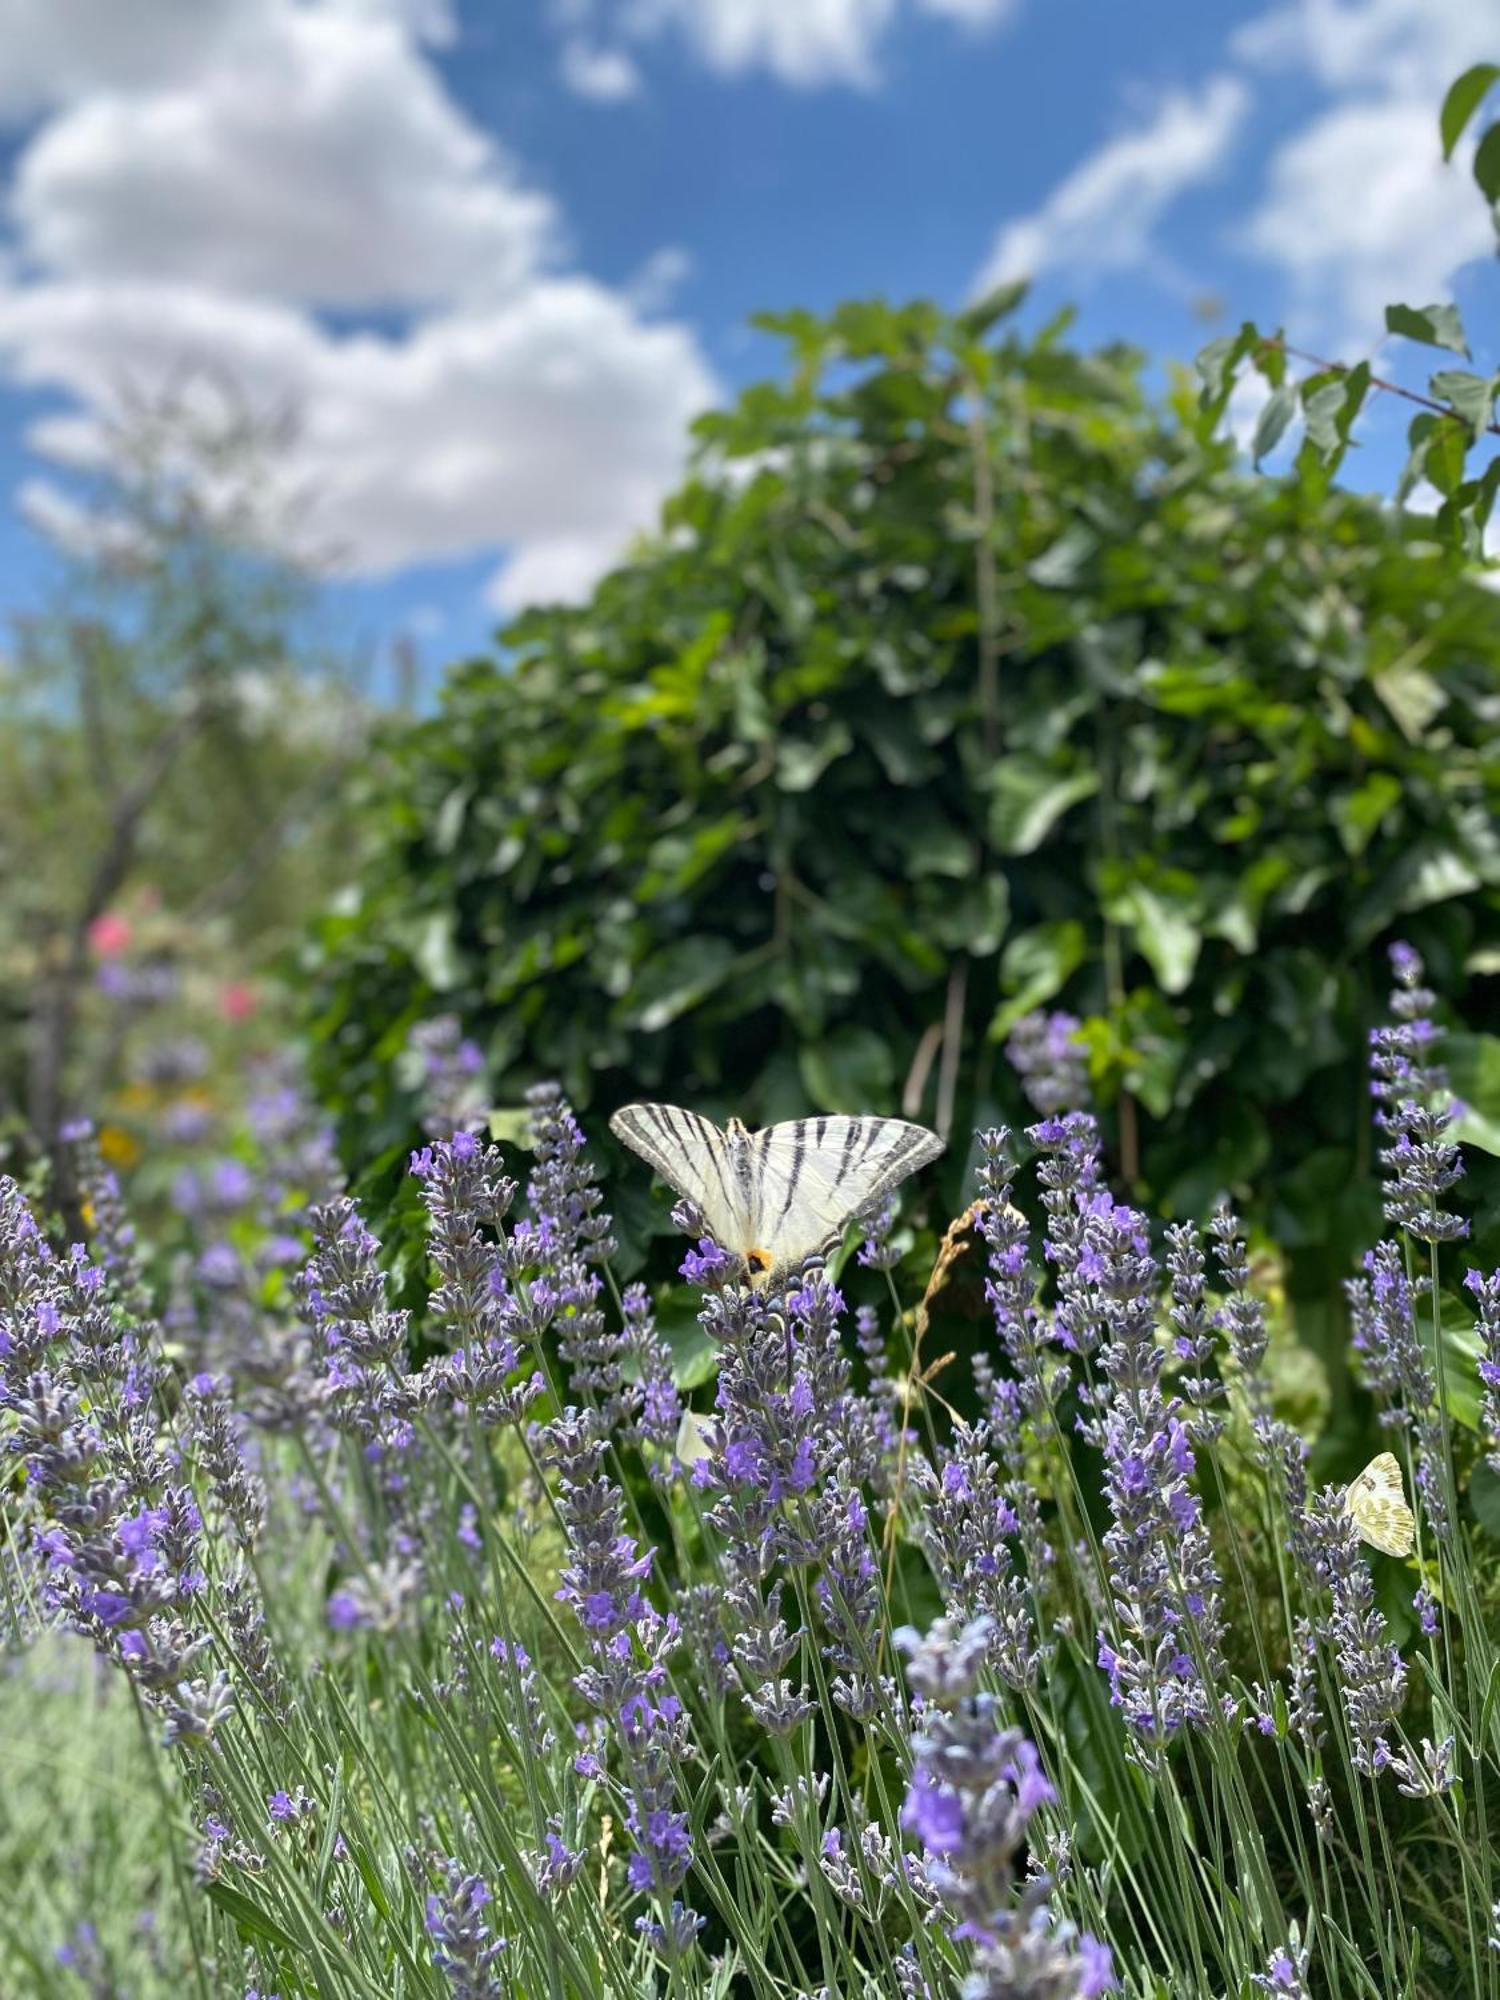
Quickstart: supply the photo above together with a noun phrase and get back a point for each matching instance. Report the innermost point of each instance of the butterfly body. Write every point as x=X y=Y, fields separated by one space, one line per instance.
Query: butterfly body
x=776 y=1197
x=1376 y=1503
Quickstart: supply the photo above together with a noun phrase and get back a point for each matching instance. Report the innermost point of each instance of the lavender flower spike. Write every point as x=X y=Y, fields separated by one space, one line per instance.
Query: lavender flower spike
x=975 y=1787
x=1414 y=1109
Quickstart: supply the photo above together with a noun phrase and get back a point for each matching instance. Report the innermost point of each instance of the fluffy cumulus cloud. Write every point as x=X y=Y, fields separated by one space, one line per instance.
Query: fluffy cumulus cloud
x=1358 y=211
x=806 y=43
x=279 y=158
x=1104 y=213
x=550 y=423
x=1357 y=208
x=316 y=157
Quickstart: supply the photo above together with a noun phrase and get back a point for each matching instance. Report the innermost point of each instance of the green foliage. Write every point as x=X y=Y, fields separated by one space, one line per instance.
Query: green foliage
x=960 y=679
x=84 y=1842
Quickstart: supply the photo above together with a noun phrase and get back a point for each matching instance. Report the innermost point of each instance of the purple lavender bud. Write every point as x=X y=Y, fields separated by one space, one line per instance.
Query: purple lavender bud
x=1285 y=1972
x=975 y=1788
x=1050 y=1062
x=449 y=1077
x=464 y=1948
x=1010 y=1289
x=1371 y=1674
x=877 y=1252
x=966 y=1524
x=1414 y=1109
x=709 y=1267
x=1486 y=1295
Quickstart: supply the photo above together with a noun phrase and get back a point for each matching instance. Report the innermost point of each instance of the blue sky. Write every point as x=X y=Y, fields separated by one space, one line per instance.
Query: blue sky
x=496 y=252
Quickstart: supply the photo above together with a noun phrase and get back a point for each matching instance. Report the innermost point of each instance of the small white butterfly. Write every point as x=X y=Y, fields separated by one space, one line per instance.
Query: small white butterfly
x=777 y=1197
x=1376 y=1503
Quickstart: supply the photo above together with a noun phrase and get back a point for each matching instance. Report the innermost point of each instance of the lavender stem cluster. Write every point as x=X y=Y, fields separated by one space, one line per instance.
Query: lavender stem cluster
x=1414 y=1109
x=1163 y=1653
x=975 y=1789
x=115 y=1535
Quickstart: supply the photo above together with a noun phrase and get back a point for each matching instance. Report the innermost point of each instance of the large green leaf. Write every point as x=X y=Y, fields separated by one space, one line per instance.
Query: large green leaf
x=1465 y=95
x=851 y=1071
x=1168 y=932
x=1280 y=408
x=1438 y=326
x=1473 y=1065
x=675 y=980
x=1028 y=798
x=1035 y=968
x=1472 y=396
x=800 y=764
x=1487 y=164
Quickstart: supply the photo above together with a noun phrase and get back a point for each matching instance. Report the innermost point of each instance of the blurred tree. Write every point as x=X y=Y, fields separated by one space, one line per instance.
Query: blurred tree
x=165 y=721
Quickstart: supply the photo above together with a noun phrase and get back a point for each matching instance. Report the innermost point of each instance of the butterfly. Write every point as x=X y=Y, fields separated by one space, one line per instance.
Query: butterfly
x=777 y=1197
x=1376 y=1503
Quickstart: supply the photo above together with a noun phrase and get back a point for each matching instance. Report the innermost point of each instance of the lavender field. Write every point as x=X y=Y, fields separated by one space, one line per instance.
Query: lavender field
x=782 y=1283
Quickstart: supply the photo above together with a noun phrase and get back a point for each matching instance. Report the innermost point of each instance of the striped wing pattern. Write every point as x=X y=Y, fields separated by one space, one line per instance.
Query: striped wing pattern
x=692 y=1156
x=812 y=1175
x=785 y=1193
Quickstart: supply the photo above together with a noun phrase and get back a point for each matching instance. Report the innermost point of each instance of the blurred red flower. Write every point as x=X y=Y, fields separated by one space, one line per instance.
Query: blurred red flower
x=237 y=1001
x=109 y=935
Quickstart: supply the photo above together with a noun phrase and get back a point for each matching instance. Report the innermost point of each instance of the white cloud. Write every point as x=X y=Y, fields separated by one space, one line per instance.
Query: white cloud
x=808 y=44
x=317 y=157
x=1400 y=47
x=811 y=43
x=1357 y=209
x=970 y=13
x=55 y=50
x=606 y=76
x=279 y=157
x=549 y=425
x=659 y=279
x=1104 y=213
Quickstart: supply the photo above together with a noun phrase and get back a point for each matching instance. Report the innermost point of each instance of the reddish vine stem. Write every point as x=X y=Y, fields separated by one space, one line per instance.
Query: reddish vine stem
x=1376 y=381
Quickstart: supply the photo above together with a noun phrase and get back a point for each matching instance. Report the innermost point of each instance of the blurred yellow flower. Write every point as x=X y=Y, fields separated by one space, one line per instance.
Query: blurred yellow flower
x=117 y=1146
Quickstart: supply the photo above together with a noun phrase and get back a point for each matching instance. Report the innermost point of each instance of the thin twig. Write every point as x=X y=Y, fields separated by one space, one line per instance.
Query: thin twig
x=1273 y=340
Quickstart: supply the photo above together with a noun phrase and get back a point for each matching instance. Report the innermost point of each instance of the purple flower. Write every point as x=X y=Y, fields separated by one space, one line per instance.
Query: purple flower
x=449 y=1077
x=1485 y=1292
x=1371 y=1675
x=975 y=1788
x=709 y=1266
x=1415 y=1109
x=1163 y=1654
x=628 y=1645
x=464 y=1948
x=934 y=1812
x=1285 y=1971
x=1050 y=1061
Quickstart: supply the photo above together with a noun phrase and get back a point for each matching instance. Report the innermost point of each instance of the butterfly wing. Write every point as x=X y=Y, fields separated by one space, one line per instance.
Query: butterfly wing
x=811 y=1175
x=692 y=1156
x=1376 y=1502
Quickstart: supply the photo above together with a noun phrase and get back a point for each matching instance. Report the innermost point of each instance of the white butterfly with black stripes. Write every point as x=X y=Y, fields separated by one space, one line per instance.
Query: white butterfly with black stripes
x=777 y=1197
